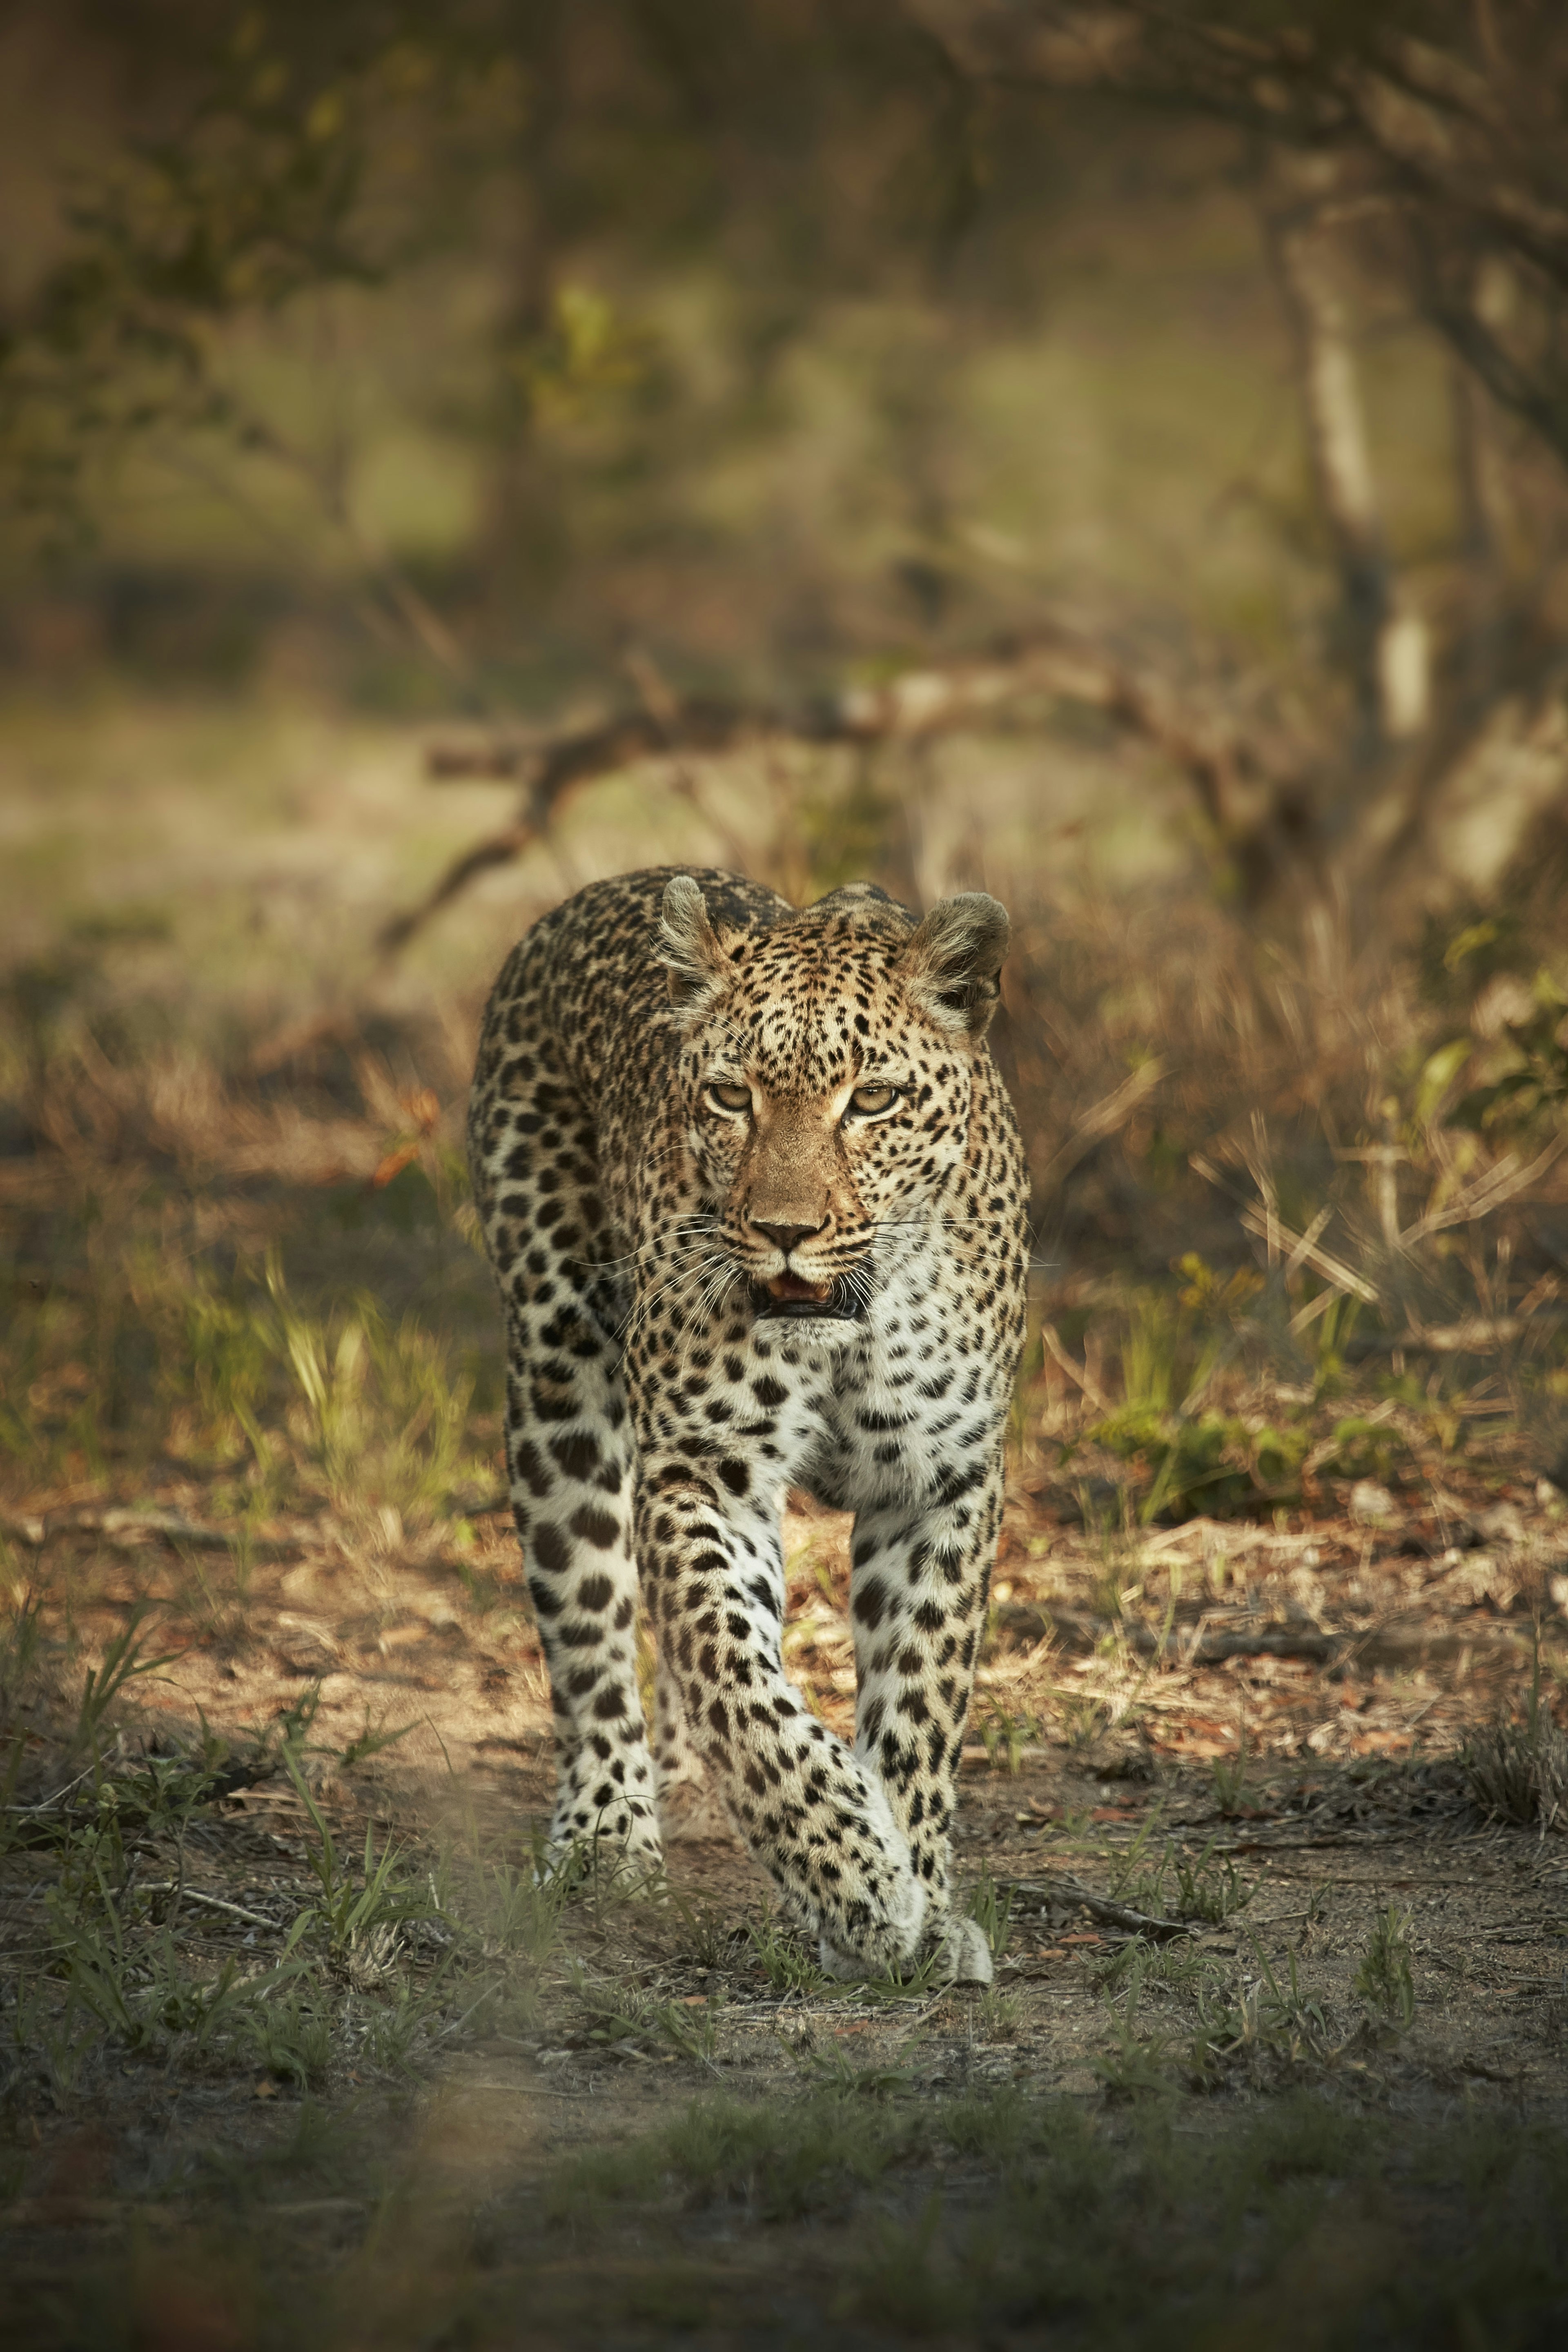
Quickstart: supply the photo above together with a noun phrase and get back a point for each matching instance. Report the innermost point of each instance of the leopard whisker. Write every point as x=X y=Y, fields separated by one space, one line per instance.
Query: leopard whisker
x=644 y=1303
x=683 y=1275
x=699 y=1223
x=717 y=1288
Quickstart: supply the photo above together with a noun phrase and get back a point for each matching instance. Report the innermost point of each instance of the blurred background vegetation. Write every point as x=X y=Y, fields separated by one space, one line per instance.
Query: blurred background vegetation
x=1114 y=457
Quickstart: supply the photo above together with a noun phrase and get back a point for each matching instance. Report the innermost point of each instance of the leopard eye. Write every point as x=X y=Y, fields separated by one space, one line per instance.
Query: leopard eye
x=869 y=1100
x=729 y=1099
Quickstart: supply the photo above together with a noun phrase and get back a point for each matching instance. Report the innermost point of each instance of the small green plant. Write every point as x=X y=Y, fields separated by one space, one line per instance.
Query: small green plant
x=1197 y=1460
x=1082 y=1719
x=991 y=1908
x=1208 y=1461
x=1228 y=1775
x=514 y=1911
x=1206 y=1886
x=692 y=2032
x=1384 y=1979
x=1003 y=1736
x=293 y=1724
x=782 y=2160
x=123 y=1663
x=503 y=2003
x=39 y=2026
x=319 y=2143
x=1317 y=1908
x=1531 y=1088
x=1304 y=2136
x=1519 y=1771
x=834 y=2070
x=1137 y=1881
x=390 y=2028
x=371 y=1739
x=1362 y=1445
x=162 y=1795
x=908 y=1981
x=1001 y=2125
x=1326 y=1338
x=378 y=1411
x=788 y=1965
x=627 y=2016
x=151 y=1998
x=291 y=2037
x=21 y=1644
x=1264 y=2019
x=289 y=1732
x=1210 y=1888
x=711 y=1942
x=997 y=2016
x=1136 y=2062
x=343 y=1914
x=1175 y=1966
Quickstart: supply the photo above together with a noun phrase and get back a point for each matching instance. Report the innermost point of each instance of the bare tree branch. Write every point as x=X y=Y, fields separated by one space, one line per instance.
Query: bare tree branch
x=1250 y=781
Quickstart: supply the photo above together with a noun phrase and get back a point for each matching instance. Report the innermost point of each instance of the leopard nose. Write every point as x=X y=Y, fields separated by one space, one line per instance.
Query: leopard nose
x=786 y=1237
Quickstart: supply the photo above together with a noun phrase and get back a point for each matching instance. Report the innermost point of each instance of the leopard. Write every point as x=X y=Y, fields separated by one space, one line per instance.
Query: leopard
x=754 y=1199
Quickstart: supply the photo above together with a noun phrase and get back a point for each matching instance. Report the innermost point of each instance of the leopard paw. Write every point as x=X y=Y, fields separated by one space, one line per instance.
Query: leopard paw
x=955 y=1953
x=622 y=1847
x=850 y=1968
x=962 y=1953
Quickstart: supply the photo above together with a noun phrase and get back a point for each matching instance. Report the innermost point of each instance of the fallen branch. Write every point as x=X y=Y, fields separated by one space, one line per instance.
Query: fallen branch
x=121 y=1529
x=1475 y=1335
x=1102 y=1907
x=1242 y=778
x=208 y=1903
x=1211 y=1650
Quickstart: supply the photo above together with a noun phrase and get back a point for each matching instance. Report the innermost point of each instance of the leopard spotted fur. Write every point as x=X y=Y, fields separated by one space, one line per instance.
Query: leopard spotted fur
x=754 y=1199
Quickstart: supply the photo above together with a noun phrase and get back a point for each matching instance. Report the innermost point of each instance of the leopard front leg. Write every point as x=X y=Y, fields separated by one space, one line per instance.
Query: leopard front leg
x=690 y=1808
x=569 y=1455
x=919 y=1584
x=819 y=1823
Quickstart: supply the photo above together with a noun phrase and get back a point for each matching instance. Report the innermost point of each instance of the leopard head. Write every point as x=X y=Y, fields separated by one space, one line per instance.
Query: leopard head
x=826 y=1073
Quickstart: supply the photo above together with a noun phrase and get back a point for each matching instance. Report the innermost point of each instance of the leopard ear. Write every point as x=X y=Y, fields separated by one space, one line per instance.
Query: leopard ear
x=950 y=966
x=697 y=969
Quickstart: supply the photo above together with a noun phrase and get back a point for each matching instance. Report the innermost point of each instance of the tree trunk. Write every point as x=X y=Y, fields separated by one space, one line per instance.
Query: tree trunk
x=1386 y=640
x=1486 y=506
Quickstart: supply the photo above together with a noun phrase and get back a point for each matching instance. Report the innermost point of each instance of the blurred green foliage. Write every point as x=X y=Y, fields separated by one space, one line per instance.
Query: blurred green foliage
x=499 y=333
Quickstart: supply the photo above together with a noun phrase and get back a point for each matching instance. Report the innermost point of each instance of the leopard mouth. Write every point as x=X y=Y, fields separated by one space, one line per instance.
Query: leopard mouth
x=789 y=1298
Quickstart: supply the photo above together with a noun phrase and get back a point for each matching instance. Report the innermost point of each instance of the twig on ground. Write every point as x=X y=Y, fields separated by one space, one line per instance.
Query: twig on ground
x=119 y=1527
x=208 y=1902
x=1053 y=1342
x=1476 y=1335
x=1102 y=1907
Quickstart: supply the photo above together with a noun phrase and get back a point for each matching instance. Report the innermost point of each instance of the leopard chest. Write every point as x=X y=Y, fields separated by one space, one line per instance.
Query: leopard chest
x=896 y=1405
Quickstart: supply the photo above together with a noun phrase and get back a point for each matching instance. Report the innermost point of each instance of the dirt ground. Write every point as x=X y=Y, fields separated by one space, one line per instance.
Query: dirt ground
x=653 y=2121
